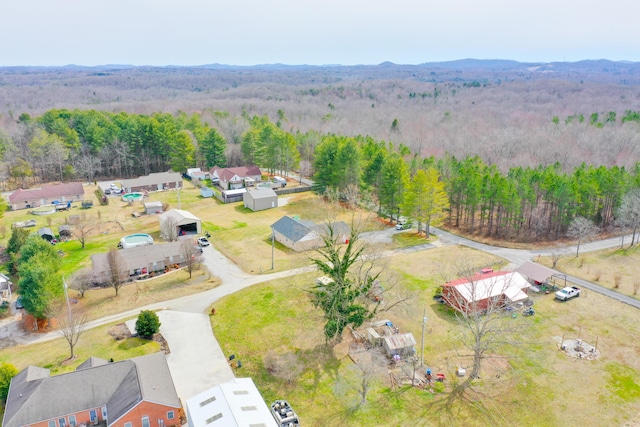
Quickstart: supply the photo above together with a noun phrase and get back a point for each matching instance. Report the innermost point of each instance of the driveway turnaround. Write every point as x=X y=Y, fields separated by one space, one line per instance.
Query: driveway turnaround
x=196 y=361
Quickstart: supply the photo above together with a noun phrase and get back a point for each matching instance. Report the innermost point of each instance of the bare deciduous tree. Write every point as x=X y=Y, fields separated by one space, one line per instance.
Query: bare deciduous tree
x=286 y=366
x=191 y=255
x=117 y=274
x=367 y=371
x=83 y=228
x=582 y=230
x=72 y=324
x=487 y=327
x=81 y=281
x=169 y=229
x=628 y=215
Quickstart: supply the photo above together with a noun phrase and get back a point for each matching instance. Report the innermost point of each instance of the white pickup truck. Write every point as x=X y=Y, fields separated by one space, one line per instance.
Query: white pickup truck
x=568 y=293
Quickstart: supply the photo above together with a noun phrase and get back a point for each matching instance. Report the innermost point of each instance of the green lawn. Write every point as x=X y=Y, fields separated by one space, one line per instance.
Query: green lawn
x=538 y=386
x=54 y=355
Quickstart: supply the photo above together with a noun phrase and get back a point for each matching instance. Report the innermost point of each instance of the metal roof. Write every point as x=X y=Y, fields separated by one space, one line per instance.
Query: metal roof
x=536 y=272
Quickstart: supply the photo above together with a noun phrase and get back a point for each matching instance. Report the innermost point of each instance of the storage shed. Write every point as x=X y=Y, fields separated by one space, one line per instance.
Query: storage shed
x=260 y=199
x=206 y=192
x=184 y=221
x=151 y=208
x=402 y=345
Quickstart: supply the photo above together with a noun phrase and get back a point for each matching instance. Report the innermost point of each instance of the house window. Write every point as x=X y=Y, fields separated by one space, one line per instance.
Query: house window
x=93 y=415
x=72 y=421
x=145 y=422
x=170 y=415
x=62 y=422
x=128 y=425
x=52 y=423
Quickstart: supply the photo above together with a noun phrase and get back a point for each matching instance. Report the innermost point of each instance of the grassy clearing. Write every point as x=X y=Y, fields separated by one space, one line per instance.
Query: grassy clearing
x=617 y=269
x=54 y=355
x=542 y=385
x=102 y=302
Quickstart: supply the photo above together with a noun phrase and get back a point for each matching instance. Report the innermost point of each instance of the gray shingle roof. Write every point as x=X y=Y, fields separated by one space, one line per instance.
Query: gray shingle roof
x=290 y=228
x=35 y=396
x=134 y=258
x=295 y=230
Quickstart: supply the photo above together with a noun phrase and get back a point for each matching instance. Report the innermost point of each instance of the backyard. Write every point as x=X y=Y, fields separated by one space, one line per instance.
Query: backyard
x=537 y=386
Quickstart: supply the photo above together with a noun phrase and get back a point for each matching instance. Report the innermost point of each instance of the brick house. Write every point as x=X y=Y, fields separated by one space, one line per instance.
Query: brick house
x=137 y=392
x=45 y=195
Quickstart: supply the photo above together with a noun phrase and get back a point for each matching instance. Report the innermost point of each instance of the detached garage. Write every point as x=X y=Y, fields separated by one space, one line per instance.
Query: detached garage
x=183 y=222
x=260 y=199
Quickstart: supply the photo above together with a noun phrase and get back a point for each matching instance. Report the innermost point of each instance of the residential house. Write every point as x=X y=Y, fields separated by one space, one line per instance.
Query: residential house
x=235 y=178
x=301 y=235
x=141 y=260
x=5 y=288
x=197 y=175
x=235 y=403
x=260 y=199
x=485 y=290
x=137 y=392
x=47 y=194
x=152 y=182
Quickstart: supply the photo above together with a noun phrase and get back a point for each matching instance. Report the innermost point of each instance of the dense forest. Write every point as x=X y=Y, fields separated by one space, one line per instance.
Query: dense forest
x=521 y=149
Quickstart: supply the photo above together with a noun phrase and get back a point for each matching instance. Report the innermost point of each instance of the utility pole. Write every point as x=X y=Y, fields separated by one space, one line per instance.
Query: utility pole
x=273 y=245
x=424 y=323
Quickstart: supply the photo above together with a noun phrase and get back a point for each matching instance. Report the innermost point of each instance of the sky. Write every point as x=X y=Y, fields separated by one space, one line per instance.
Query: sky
x=347 y=32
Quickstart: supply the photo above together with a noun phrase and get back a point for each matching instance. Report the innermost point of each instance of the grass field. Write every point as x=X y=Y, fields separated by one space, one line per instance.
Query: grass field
x=541 y=386
x=54 y=355
x=617 y=269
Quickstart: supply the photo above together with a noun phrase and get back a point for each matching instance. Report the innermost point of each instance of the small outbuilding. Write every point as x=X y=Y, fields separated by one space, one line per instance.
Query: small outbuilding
x=206 y=192
x=185 y=222
x=151 y=208
x=402 y=345
x=260 y=199
x=64 y=231
x=46 y=233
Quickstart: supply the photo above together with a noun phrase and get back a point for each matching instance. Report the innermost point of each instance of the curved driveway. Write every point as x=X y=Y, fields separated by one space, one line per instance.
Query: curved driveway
x=197 y=362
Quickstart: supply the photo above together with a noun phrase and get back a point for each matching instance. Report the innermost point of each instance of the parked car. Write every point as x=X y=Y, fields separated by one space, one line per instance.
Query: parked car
x=403 y=225
x=568 y=293
x=19 y=305
x=203 y=241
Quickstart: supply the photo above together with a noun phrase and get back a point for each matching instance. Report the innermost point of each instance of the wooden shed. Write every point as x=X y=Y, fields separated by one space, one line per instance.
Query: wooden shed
x=402 y=345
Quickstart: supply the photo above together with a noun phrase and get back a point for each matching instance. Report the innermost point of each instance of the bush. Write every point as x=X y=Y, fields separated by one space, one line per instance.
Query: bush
x=7 y=372
x=147 y=324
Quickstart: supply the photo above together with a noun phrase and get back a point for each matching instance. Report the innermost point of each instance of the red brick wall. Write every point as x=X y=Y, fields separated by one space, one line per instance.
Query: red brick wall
x=151 y=410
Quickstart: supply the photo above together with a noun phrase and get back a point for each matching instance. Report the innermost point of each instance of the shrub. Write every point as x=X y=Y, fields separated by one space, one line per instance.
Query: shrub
x=147 y=324
x=7 y=372
x=617 y=279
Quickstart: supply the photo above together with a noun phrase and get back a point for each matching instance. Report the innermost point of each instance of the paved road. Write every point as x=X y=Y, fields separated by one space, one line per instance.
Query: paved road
x=519 y=256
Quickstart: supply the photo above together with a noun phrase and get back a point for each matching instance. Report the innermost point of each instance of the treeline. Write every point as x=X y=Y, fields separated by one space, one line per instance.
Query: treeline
x=63 y=145
x=468 y=192
x=523 y=203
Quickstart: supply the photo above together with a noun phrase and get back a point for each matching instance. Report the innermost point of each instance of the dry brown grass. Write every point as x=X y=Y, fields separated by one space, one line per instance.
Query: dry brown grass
x=613 y=268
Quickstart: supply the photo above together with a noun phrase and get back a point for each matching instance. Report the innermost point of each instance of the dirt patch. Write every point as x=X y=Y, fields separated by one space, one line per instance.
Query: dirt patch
x=164 y=346
x=578 y=349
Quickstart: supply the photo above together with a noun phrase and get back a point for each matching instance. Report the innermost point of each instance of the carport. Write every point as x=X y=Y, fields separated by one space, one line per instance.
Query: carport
x=184 y=221
x=46 y=233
